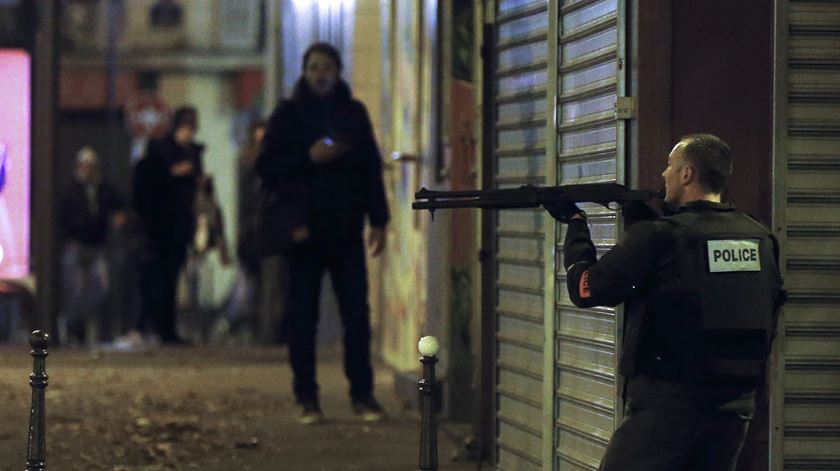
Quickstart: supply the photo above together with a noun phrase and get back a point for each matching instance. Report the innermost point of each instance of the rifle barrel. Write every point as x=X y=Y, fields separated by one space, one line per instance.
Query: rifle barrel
x=523 y=197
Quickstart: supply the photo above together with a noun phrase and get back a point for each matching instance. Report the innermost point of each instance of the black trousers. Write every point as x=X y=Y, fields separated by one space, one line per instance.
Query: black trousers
x=159 y=271
x=344 y=260
x=667 y=440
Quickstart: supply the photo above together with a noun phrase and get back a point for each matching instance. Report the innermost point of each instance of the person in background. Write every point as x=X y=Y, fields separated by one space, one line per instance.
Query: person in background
x=248 y=199
x=240 y=314
x=324 y=138
x=210 y=223
x=164 y=195
x=90 y=209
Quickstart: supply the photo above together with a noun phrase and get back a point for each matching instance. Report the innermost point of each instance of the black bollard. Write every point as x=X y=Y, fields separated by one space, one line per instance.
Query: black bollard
x=428 y=420
x=36 y=449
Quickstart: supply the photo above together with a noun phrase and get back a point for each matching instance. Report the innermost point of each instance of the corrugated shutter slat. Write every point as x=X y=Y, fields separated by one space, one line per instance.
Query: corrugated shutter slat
x=521 y=55
x=811 y=215
x=587 y=147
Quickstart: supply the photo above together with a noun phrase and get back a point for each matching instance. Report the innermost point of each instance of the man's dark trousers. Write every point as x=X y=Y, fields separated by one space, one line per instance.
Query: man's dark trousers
x=159 y=279
x=676 y=440
x=344 y=259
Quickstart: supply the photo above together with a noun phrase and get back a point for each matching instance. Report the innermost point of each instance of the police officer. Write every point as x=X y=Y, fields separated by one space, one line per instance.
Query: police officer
x=701 y=287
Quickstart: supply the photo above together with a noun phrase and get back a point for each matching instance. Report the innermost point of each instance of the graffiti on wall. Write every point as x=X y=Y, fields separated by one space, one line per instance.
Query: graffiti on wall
x=404 y=283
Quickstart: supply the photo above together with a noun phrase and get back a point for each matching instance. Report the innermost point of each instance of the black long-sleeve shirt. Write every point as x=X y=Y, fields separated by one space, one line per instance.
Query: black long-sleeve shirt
x=166 y=202
x=339 y=193
x=87 y=218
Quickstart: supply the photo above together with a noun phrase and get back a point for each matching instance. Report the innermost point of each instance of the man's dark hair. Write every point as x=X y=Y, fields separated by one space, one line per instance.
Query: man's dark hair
x=323 y=48
x=711 y=157
x=184 y=116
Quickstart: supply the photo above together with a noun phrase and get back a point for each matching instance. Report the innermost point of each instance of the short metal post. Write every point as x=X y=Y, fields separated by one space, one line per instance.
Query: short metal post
x=428 y=421
x=36 y=449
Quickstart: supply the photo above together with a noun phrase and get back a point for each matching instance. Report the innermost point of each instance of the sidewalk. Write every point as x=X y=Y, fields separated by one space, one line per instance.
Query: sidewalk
x=206 y=409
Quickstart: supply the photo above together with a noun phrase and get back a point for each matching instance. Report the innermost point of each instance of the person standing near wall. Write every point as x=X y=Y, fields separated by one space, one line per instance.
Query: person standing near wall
x=164 y=192
x=702 y=287
x=241 y=310
x=323 y=138
x=90 y=208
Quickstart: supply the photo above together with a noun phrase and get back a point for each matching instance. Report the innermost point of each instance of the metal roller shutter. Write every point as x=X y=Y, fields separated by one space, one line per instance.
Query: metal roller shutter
x=520 y=57
x=808 y=219
x=588 y=82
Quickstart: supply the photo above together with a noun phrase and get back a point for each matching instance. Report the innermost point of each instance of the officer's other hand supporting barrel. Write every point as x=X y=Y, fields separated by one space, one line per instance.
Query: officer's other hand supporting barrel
x=702 y=287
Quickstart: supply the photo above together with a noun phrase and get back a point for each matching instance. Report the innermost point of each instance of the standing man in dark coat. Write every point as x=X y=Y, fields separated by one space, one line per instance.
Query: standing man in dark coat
x=702 y=287
x=323 y=138
x=165 y=182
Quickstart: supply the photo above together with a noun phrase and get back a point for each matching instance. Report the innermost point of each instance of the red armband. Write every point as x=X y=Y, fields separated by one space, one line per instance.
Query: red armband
x=583 y=286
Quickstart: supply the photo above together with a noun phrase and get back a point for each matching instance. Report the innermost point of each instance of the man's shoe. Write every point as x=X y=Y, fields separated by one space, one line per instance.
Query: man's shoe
x=309 y=413
x=368 y=409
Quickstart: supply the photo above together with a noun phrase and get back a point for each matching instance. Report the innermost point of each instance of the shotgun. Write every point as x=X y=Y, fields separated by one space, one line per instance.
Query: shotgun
x=529 y=196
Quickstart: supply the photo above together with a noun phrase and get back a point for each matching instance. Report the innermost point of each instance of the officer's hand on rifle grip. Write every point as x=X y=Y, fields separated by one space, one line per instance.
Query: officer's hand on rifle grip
x=635 y=211
x=562 y=209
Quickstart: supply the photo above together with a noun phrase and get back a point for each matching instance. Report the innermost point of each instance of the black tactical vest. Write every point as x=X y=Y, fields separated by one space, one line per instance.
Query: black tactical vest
x=710 y=312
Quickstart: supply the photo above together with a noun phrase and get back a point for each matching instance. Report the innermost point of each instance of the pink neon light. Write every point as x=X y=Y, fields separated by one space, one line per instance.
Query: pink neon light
x=14 y=150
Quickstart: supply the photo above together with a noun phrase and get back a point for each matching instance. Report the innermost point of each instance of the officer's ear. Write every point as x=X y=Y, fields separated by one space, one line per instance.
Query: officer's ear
x=688 y=174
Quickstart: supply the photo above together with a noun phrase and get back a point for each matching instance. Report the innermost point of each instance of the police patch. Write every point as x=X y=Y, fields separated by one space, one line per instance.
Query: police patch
x=727 y=256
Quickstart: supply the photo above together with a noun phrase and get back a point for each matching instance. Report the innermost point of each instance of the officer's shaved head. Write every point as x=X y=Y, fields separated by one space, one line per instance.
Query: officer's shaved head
x=711 y=157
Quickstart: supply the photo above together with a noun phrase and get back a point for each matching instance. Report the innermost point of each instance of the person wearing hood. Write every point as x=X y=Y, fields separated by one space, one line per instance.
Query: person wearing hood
x=164 y=191
x=323 y=139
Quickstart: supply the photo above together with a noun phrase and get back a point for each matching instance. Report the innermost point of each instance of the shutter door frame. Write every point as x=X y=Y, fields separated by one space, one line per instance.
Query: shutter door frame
x=550 y=245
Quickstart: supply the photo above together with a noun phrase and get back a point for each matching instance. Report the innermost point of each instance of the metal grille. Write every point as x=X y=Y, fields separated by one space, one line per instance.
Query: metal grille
x=808 y=212
x=521 y=53
x=588 y=84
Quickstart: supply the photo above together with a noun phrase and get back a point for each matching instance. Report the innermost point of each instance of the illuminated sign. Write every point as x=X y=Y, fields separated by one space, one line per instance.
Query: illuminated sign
x=14 y=163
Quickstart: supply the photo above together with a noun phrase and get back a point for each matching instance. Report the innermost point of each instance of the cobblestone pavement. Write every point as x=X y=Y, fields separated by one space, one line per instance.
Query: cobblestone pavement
x=198 y=408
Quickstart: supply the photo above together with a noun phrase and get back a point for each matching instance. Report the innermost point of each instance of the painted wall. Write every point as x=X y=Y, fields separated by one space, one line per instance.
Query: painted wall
x=405 y=270
x=367 y=84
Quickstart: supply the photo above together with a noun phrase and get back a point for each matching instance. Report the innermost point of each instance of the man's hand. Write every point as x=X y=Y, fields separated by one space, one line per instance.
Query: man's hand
x=563 y=210
x=181 y=169
x=326 y=150
x=376 y=240
x=118 y=220
x=299 y=234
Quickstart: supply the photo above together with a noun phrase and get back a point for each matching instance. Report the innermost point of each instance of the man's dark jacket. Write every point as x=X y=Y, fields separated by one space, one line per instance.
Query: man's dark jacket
x=82 y=225
x=165 y=202
x=340 y=193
